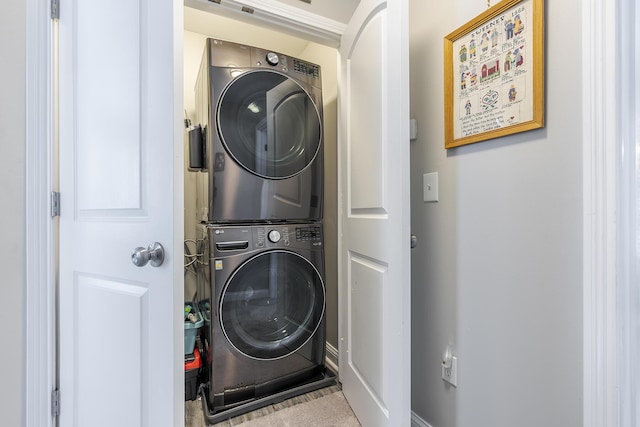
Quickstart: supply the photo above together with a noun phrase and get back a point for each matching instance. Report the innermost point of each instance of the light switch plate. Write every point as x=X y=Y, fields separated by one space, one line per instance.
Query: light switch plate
x=413 y=129
x=430 y=187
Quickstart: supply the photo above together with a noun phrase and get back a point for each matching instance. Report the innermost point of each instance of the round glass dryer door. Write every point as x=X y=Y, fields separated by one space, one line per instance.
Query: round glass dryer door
x=272 y=305
x=269 y=124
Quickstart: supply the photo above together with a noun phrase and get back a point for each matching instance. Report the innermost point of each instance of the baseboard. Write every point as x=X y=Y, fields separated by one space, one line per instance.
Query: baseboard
x=417 y=421
x=331 y=357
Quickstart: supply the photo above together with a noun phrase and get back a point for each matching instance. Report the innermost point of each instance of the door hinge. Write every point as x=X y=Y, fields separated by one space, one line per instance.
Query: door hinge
x=55 y=9
x=55 y=204
x=55 y=403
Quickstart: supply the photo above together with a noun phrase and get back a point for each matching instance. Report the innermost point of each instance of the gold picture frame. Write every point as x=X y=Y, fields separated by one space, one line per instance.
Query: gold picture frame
x=494 y=74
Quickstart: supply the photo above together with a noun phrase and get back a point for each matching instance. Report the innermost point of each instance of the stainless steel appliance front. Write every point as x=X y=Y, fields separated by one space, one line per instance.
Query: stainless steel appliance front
x=262 y=115
x=263 y=296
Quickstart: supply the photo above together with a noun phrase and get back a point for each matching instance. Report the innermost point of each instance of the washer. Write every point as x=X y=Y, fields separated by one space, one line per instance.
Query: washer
x=262 y=117
x=266 y=324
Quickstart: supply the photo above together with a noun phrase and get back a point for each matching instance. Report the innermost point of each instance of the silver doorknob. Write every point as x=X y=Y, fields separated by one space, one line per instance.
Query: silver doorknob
x=414 y=241
x=154 y=253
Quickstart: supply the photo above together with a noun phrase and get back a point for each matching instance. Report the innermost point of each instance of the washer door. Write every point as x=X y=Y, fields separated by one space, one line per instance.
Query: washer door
x=269 y=124
x=272 y=305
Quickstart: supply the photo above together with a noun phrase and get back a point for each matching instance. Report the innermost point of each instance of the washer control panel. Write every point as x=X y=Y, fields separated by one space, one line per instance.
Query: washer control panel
x=231 y=240
x=308 y=234
x=260 y=235
x=273 y=236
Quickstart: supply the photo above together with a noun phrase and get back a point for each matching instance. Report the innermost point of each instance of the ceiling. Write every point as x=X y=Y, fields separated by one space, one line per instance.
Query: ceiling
x=213 y=25
x=321 y=21
x=338 y=10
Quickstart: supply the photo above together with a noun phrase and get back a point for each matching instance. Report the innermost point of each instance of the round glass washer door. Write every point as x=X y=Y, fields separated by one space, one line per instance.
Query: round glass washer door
x=269 y=124
x=272 y=305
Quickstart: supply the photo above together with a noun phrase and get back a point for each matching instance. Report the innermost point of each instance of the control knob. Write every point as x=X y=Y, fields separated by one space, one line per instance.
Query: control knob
x=272 y=58
x=274 y=236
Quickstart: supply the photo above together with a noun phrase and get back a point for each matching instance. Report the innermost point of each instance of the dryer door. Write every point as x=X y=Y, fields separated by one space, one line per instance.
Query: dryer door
x=269 y=124
x=272 y=305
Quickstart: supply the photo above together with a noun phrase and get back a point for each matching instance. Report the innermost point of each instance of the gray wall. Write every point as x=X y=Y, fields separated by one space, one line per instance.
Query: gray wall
x=12 y=202
x=498 y=269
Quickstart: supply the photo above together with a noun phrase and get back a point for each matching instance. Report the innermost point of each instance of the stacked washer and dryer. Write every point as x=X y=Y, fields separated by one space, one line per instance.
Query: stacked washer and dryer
x=259 y=162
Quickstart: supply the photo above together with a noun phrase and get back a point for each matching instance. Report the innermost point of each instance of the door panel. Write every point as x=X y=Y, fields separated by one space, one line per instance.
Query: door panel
x=366 y=281
x=108 y=108
x=120 y=153
x=95 y=299
x=366 y=175
x=374 y=261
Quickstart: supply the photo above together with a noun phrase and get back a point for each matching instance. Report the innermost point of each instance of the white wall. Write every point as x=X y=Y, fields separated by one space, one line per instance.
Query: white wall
x=497 y=272
x=12 y=213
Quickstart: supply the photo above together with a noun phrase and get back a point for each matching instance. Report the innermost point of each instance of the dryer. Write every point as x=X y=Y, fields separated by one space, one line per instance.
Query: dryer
x=266 y=327
x=261 y=115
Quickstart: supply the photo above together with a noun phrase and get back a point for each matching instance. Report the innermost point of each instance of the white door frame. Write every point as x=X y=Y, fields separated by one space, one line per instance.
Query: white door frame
x=607 y=71
x=599 y=105
x=40 y=265
x=600 y=175
x=628 y=280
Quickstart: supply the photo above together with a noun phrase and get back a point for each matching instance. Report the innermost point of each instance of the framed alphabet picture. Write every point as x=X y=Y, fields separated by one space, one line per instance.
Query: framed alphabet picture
x=494 y=74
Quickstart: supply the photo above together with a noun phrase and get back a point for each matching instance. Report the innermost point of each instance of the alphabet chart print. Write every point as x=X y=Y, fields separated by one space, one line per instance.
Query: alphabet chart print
x=493 y=66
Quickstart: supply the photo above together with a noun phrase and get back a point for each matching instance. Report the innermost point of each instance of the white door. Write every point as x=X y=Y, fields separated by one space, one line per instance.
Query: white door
x=120 y=326
x=374 y=221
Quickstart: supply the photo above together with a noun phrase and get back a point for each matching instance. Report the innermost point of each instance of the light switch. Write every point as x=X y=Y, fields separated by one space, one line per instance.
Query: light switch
x=413 y=129
x=430 y=187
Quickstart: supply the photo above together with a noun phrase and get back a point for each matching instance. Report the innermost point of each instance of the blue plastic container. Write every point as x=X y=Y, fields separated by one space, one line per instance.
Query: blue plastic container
x=190 y=333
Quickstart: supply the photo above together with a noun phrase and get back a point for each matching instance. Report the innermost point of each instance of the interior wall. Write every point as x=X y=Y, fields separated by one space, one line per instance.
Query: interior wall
x=206 y=25
x=328 y=59
x=12 y=200
x=498 y=268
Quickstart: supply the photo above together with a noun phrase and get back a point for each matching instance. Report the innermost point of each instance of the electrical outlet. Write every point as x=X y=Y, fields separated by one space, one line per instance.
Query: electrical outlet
x=450 y=374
